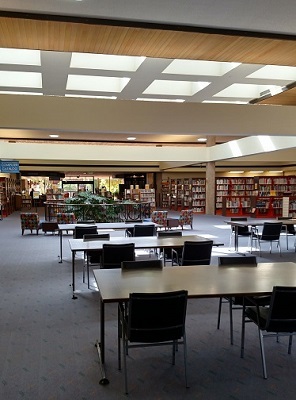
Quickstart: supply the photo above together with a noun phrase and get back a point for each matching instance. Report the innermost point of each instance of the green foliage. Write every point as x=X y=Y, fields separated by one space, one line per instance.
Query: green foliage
x=89 y=206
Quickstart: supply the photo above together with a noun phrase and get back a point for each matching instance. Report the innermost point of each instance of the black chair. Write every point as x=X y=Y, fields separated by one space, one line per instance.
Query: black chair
x=86 y=221
x=194 y=253
x=235 y=303
x=152 y=319
x=288 y=229
x=277 y=320
x=144 y=230
x=142 y=264
x=93 y=256
x=114 y=254
x=130 y=231
x=271 y=232
x=241 y=230
x=80 y=231
x=167 y=253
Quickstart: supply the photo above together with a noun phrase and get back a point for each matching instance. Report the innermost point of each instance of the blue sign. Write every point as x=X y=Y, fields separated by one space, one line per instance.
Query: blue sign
x=10 y=167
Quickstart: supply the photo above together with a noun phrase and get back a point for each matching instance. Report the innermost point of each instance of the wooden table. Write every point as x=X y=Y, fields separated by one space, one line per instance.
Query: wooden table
x=253 y=222
x=145 y=242
x=200 y=281
x=105 y=226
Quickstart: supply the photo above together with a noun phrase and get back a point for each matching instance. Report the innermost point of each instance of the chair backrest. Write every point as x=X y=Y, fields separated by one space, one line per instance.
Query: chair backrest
x=186 y=217
x=159 y=217
x=66 y=218
x=289 y=228
x=169 y=233
x=144 y=230
x=86 y=221
x=142 y=264
x=197 y=253
x=271 y=230
x=237 y=260
x=114 y=254
x=241 y=230
x=156 y=317
x=80 y=231
x=282 y=310
x=29 y=220
x=96 y=236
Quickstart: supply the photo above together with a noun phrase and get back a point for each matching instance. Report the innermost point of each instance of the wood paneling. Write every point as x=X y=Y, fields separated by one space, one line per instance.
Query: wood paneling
x=80 y=37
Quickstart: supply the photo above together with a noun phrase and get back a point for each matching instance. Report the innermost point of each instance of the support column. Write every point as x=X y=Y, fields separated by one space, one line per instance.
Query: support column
x=210 y=182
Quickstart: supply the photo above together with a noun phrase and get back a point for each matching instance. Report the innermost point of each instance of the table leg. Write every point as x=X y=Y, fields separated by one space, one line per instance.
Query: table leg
x=101 y=345
x=61 y=246
x=236 y=238
x=73 y=275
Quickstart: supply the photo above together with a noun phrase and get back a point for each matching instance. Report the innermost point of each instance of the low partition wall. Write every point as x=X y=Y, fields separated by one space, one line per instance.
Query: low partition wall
x=118 y=212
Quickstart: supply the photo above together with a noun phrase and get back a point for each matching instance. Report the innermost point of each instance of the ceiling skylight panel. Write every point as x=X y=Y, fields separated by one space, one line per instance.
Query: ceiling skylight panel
x=20 y=79
x=96 y=83
x=20 y=56
x=275 y=72
x=243 y=90
x=175 y=88
x=197 y=67
x=105 y=62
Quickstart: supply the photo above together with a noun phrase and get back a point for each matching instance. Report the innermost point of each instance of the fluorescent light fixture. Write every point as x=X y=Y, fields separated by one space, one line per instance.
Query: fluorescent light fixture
x=225 y=101
x=54 y=136
x=197 y=67
x=106 y=62
x=28 y=93
x=276 y=172
x=256 y=172
x=131 y=138
x=20 y=79
x=234 y=147
x=96 y=83
x=175 y=88
x=274 y=72
x=90 y=96
x=266 y=143
x=201 y=139
x=236 y=172
x=20 y=56
x=161 y=100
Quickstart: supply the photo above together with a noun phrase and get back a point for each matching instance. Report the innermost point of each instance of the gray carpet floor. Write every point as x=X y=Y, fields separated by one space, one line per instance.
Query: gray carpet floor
x=47 y=341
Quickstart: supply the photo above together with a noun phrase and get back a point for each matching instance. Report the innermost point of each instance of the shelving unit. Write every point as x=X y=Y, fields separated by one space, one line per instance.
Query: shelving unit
x=141 y=196
x=165 y=194
x=199 y=195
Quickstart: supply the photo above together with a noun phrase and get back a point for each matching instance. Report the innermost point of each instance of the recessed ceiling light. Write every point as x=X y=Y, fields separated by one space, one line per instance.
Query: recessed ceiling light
x=256 y=172
x=276 y=172
x=131 y=138
x=201 y=139
x=54 y=136
x=236 y=172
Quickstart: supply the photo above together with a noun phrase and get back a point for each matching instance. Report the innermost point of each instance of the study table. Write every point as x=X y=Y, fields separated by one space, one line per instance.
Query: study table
x=144 y=242
x=253 y=222
x=100 y=226
x=200 y=281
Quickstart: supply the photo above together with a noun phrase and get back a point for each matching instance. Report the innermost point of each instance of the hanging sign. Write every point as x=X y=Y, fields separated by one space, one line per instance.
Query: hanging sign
x=10 y=167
